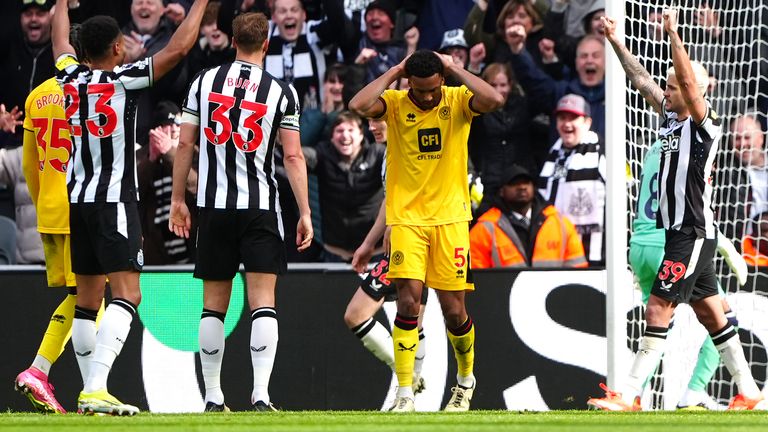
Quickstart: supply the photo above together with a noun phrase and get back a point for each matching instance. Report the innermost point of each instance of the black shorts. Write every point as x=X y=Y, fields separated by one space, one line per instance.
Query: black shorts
x=105 y=238
x=377 y=286
x=686 y=274
x=227 y=237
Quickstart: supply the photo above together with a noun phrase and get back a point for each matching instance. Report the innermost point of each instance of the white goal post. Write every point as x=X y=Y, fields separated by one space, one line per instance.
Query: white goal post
x=730 y=38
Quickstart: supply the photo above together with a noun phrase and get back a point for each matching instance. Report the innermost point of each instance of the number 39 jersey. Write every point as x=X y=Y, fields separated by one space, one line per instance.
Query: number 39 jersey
x=100 y=107
x=239 y=109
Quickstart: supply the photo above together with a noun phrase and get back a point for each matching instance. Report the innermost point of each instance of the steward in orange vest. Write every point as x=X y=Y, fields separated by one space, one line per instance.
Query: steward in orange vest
x=522 y=230
x=751 y=255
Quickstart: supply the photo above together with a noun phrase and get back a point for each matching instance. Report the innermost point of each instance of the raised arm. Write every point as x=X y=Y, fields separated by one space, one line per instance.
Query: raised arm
x=686 y=79
x=486 y=98
x=638 y=76
x=60 y=30
x=180 y=43
x=366 y=102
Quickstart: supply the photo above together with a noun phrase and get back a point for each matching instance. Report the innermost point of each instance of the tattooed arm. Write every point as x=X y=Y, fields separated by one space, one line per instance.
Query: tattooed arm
x=686 y=78
x=638 y=76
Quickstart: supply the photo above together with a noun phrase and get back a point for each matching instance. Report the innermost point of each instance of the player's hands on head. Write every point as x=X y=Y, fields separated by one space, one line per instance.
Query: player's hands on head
x=304 y=233
x=448 y=63
x=180 y=221
x=609 y=26
x=10 y=119
x=669 y=17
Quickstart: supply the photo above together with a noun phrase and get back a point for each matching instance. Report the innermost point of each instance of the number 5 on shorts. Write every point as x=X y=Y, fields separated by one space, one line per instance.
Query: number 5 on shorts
x=460 y=258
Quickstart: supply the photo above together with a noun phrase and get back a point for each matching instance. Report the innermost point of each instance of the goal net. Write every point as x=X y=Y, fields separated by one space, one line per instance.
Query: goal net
x=730 y=38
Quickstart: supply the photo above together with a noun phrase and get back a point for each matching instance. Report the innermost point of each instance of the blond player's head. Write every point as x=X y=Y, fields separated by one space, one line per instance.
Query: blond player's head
x=701 y=75
x=673 y=95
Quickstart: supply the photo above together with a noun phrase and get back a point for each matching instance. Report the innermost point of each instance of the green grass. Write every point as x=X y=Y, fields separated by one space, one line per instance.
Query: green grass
x=346 y=421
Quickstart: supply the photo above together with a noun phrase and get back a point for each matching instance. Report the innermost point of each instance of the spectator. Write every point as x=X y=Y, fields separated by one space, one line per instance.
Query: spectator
x=438 y=16
x=10 y=119
x=545 y=91
x=296 y=47
x=29 y=247
x=573 y=177
x=154 y=167
x=378 y=49
x=575 y=14
x=214 y=47
x=315 y=122
x=557 y=36
x=514 y=13
x=454 y=45
x=378 y=128
x=501 y=138
x=755 y=243
x=80 y=10
x=27 y=61
x=7 y=240
x=745 y=183
x=523 y=230
x=147 y=33
x=348 y=169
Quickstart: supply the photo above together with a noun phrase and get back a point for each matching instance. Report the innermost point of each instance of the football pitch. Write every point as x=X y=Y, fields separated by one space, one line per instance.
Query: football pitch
x=348 y=421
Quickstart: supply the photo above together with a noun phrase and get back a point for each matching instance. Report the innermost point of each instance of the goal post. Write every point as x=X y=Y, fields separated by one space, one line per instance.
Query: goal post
x=618 y=294
x=730 y=38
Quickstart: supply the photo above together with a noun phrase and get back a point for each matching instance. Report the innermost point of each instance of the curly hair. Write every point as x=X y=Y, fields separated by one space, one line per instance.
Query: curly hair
x=423 y=64
x=97 y=34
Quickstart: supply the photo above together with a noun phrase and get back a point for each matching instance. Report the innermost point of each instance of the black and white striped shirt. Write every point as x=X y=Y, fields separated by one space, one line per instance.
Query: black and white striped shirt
x=239 y=109
x=573 y=180
x=300 y=63
x=101 y=111
x=685 y=181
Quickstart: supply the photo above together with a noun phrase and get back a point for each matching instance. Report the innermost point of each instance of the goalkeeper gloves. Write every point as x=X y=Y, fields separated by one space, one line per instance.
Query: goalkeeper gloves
x=732 y=257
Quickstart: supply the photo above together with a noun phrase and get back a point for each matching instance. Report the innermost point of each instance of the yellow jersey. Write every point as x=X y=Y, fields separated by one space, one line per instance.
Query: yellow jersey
x=47 y=150
x=427 y=158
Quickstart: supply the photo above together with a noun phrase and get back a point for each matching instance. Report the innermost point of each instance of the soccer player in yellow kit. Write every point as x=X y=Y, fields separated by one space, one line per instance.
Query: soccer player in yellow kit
x=428 y=204
x=46 y=153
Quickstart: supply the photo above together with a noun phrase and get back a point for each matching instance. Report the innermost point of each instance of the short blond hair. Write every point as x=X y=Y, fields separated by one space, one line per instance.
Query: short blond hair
x=699 y=72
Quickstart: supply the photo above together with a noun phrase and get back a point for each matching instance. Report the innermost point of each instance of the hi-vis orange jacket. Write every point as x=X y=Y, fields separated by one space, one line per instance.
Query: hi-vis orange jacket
x=494 y=242
x=751 y=255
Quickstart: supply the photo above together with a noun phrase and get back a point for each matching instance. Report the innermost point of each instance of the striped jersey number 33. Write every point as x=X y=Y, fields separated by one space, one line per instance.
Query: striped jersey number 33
x=220 y=116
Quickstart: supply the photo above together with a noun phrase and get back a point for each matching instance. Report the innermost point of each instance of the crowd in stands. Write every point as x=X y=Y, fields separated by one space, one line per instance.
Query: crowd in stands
x=540 y=158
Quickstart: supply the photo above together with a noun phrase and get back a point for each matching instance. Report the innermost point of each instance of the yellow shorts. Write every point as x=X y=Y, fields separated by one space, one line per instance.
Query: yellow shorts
x=436 y=255
x=58 y=263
